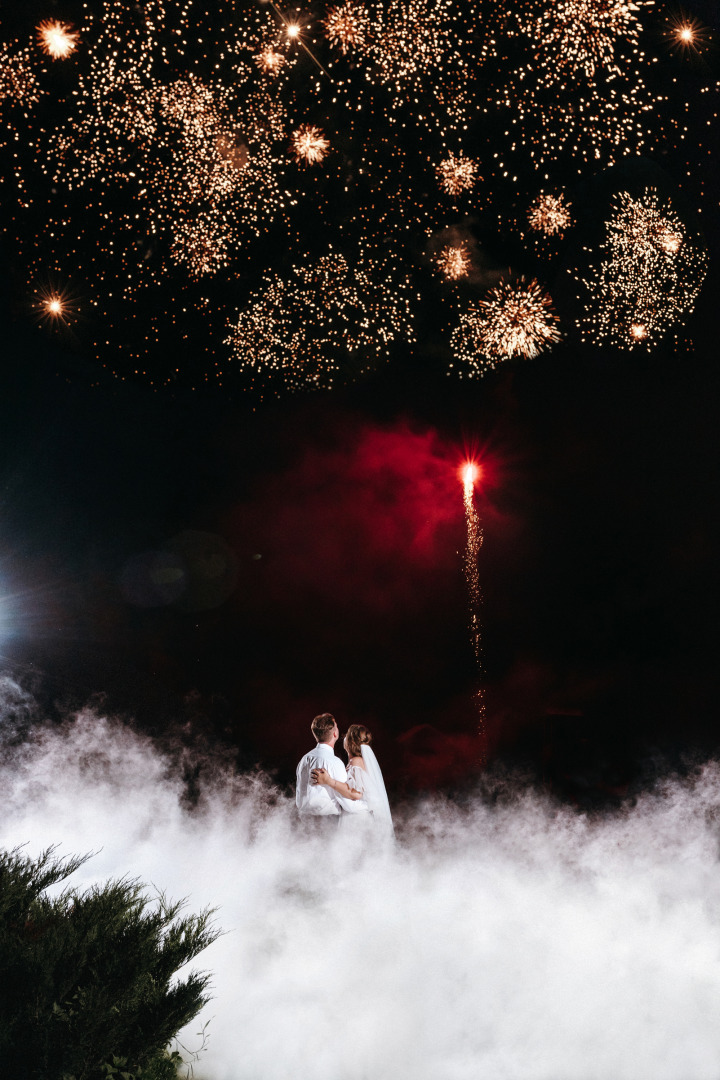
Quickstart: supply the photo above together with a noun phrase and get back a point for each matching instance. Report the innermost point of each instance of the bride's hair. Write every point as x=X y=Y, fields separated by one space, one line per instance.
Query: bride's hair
x=357 y=734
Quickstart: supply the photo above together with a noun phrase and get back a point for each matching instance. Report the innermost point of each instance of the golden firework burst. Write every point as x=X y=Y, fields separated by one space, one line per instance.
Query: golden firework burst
x=454 y=261
x=649 y=277
x=57 y=39
x=457 y=173
x=269 y=60
x=515 y=319
x=550 y=215
x=18 y=82
x=346 y=25
x=309 y=145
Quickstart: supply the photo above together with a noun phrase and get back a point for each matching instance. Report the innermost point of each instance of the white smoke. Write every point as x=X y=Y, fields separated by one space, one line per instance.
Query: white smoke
x=514 y=942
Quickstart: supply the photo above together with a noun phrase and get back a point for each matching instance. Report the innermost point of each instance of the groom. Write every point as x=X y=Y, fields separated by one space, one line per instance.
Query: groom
x=317 y=802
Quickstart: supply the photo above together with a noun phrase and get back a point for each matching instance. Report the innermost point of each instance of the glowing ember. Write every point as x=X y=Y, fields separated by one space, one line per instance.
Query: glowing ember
x=457 y=173
x=309 y=145
x=56 y=39
x=292 y=30
x=453 y=262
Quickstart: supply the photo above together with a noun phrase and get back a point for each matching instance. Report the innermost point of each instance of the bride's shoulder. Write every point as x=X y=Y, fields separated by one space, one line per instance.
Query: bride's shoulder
x=357 y=761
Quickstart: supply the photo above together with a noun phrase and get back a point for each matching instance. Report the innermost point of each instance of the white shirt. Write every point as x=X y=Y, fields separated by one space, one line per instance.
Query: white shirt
x=318 y=800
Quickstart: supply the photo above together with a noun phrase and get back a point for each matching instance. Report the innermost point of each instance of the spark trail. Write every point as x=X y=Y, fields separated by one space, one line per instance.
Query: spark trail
x=470 y=474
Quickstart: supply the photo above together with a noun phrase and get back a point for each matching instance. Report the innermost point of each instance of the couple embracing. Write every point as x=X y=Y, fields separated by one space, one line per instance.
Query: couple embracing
x=329 y=795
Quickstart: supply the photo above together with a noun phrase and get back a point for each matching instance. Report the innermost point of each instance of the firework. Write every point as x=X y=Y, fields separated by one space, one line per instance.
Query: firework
x=470 y=475
x=580 y=87
x=270 y=60
x=649 y=277
x=516 y=319
x=550 y=215
x=309 y=145
x=347 y=26
x=57 y=39
x=457 y=173
x=310 y=329
x=454 y=261
x=581 y=36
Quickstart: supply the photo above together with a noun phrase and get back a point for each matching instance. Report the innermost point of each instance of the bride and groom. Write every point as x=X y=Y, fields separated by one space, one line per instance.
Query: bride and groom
x=329 y=794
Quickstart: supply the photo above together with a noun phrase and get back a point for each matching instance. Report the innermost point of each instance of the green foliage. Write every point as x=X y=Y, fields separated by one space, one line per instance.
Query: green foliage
x=87 y=990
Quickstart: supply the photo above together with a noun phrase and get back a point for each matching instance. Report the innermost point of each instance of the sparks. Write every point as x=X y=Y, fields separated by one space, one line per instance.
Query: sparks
x=309 y=145
x=57 y=39
x=470 y=473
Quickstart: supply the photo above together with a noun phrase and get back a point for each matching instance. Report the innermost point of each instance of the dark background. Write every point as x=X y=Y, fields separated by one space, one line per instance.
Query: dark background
x=321 y=538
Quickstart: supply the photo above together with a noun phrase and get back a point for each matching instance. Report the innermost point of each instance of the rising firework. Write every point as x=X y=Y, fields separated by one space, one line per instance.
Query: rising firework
x=470 y=476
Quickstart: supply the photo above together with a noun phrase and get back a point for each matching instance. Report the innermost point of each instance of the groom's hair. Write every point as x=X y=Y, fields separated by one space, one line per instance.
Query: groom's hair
x=322 y=725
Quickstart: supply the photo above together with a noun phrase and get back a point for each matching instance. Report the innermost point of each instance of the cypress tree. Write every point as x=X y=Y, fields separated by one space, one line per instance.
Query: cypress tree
x=88 y=985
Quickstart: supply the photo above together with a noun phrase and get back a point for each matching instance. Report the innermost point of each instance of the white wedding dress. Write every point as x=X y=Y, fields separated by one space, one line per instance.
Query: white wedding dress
x=372 y=812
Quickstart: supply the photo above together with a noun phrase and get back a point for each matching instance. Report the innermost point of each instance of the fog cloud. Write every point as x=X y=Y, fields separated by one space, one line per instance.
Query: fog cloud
x=507 y=938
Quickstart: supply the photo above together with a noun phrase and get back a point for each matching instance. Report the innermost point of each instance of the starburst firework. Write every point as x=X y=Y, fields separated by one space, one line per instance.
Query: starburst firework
x=550 y=215
x=309 y=145
x=649 y=277
x=457 y=173
x=57 y=39
x=347 y=25
x=515 y=319
x=270 y=60
x=454 y=261
x=581 y=35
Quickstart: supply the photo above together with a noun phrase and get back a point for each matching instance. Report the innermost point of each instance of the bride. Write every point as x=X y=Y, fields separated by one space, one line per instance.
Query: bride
x=365 y=784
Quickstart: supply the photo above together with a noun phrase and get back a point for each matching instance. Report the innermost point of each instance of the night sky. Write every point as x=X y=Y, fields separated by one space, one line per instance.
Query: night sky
x=219 y=560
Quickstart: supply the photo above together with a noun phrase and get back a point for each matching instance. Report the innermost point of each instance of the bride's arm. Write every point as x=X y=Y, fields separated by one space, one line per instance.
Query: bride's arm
x=322 y=776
